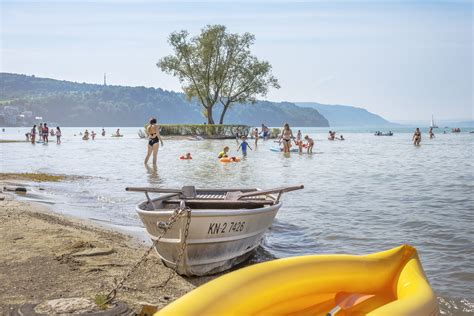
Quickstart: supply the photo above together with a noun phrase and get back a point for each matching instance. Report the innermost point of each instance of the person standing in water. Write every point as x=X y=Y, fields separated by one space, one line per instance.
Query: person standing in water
x=154 y=140
x=33 y=134
x=45 y=133
x=103 y=132
x=430 y=132
x=58 y=135
x=255 y=134
x=244 y=145
x=40 y=132
x=286 y=137
x=416 y=137
x=299 y=137
x=310 y=143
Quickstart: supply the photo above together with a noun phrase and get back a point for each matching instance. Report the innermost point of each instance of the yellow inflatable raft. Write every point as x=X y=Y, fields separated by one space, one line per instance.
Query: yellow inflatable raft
x=387 y=283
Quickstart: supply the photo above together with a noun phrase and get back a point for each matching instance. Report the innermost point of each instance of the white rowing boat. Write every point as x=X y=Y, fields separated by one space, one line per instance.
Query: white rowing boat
x=225 y=225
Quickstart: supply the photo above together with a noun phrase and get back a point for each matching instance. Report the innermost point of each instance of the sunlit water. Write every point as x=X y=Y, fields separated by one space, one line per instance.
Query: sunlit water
x=362 y=195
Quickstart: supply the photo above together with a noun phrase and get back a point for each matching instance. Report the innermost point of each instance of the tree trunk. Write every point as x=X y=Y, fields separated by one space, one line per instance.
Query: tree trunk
x=210 y=120
x=221 y=120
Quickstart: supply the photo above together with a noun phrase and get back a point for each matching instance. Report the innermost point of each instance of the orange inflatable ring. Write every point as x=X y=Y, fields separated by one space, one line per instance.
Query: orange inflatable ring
x=229 y=159
x=184 y=158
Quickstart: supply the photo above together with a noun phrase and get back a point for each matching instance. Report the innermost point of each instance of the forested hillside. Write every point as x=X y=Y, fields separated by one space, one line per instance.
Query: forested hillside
x=81 y=104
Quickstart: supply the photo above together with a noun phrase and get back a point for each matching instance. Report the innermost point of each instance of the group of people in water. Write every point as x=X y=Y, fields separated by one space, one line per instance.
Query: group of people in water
x=86 y=135
x=286 y=137
x=332 y=136
x=42 y=131
x=417 y=136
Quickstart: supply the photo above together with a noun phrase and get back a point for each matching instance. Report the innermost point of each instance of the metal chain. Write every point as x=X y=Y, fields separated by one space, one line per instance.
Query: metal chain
x=181 y=253
x=177 y=213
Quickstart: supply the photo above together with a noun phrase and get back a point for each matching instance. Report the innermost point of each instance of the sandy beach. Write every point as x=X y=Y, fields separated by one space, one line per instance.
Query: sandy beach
x=48 y=256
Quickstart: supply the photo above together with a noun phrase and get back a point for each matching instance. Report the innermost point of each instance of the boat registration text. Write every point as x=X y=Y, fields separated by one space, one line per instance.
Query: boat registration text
x=226 y=227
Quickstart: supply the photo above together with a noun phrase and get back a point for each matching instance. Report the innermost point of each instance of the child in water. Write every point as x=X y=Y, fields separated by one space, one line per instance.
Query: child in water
x=223 y=154
x=187 y=156
x=310 y=142
x=244 y=146
x=58 y=135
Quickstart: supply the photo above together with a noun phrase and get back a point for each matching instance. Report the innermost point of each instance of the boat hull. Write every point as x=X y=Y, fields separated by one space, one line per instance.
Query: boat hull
x=309 y=285
x=217 y=239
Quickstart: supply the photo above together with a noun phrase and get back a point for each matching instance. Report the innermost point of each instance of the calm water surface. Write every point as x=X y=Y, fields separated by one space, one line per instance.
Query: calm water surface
x=362 y=195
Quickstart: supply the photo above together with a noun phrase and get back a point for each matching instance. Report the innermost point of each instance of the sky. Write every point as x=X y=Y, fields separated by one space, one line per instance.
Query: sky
x=404 y=60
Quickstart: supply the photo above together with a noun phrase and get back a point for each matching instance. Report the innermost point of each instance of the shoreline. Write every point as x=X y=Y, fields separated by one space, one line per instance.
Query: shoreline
x=46 y=255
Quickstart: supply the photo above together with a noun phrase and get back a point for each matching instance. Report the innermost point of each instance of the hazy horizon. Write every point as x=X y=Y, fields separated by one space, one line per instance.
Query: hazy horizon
x=403 y=60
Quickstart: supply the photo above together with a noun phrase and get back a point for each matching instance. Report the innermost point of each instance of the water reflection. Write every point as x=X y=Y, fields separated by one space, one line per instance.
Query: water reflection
x=153 y=177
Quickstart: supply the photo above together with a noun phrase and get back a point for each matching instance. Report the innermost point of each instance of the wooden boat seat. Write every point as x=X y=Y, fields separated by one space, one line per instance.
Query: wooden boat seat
x=224 y=204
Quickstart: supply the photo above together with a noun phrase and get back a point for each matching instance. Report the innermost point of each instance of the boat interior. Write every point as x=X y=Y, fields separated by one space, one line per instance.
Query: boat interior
x=210 y=199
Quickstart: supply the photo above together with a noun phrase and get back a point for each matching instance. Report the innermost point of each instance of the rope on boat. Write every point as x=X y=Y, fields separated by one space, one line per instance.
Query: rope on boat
x=179 y=212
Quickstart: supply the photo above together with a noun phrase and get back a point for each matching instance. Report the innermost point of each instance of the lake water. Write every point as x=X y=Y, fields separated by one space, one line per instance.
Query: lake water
x=362 y=195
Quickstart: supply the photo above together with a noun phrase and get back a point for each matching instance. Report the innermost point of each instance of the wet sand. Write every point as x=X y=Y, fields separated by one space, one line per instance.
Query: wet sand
x=44 y=255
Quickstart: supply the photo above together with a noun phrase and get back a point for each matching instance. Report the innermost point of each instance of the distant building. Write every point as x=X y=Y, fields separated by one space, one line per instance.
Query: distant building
x=10 y=114
x=105 y=79
x=11 y=110
x=27 y=114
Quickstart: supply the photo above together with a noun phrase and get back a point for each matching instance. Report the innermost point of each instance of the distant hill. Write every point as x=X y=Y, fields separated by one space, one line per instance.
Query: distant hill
x=344 y=115
x=81 y=104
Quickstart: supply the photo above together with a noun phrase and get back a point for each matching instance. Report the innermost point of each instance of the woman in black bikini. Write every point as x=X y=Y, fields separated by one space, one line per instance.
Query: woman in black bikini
x=154 y=138
x=286 y=137
x=417 y=137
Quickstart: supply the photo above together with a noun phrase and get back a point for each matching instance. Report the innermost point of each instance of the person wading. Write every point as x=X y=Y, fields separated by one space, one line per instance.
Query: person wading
x=154 y=140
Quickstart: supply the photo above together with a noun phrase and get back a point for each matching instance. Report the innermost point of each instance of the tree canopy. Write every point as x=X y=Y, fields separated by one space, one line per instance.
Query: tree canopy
x=218 y=67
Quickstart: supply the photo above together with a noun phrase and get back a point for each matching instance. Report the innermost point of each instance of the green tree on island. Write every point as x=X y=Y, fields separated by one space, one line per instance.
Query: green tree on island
x=217 y=66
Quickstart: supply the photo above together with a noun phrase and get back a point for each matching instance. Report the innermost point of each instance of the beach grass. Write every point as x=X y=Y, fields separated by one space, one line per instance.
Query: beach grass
x=101 y=301
x=11 y=141
x=37 y=177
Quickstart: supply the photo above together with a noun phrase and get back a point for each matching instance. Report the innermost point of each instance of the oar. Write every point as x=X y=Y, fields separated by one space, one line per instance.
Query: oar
x=238 y=195
x=345 y=301
x=186 y=191
x=154 y=190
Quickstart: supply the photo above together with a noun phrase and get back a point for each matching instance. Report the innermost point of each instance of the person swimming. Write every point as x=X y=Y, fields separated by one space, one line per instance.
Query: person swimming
x=186 y=156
